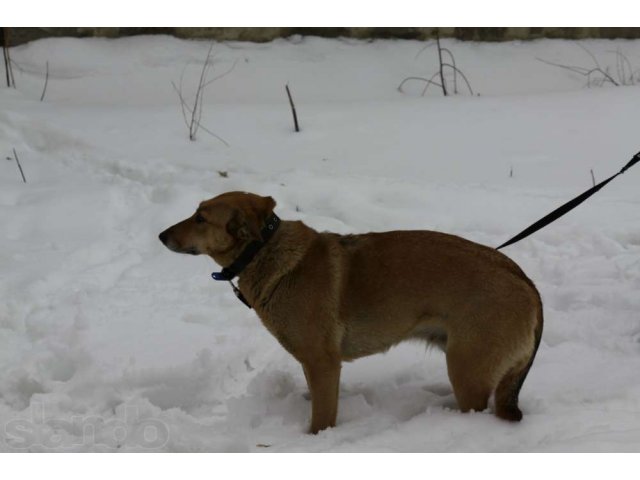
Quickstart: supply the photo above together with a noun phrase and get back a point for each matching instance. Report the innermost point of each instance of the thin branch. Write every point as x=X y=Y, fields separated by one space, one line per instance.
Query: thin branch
x=440 y=72
x=428 y=45
x=213 y=134
x=619 y=70
x=46 y=81
x=194 y=113
x=7 y=58
x=626 y=61
x=455 y=70
x=583 y=71
x=580 y=70
x=214 y=79
x=622 y=65
x=444 y=87
x=183 y=104
x=293 y=108
x=11 y=63
x=22 y=69
x=185 y=108
x=430 y=82
x=422 y=79
x=606 y=76
x=197 y=111
x=597 y=69
x=15 y=155
x=461 y=74
x=7 y=65
x=593 y=57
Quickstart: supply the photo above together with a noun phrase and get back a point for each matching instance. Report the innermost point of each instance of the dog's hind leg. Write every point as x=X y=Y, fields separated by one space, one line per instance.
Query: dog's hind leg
x=471 y=376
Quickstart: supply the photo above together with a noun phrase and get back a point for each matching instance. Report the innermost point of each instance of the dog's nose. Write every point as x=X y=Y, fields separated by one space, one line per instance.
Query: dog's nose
x=163 y=237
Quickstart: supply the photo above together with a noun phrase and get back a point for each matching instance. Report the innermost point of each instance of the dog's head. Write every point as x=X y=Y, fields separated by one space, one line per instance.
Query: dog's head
x=221 y=227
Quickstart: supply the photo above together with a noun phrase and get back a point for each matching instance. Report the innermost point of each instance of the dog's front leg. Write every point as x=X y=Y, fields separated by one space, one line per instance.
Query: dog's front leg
x=323 y=379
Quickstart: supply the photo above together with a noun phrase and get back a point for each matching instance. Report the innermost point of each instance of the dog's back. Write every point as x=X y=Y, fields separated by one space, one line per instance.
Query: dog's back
x=415 y=279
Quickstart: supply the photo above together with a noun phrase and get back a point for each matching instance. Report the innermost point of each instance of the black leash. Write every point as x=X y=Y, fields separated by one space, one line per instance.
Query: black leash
x=239 y=264
x=570 y=205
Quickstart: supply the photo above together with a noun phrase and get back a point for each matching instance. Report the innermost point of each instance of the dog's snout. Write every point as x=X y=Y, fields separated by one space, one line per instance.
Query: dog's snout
x=168 y=238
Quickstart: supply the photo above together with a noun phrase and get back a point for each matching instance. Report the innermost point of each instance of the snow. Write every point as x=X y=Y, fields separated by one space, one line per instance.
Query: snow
x=109 y=342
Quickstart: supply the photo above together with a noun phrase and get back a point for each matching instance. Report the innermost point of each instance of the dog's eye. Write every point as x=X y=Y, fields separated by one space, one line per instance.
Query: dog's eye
x=199 y=218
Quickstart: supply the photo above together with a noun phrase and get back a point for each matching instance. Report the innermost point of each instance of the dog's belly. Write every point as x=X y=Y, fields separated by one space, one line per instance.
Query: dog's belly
x=368 y=335
x=356 y=346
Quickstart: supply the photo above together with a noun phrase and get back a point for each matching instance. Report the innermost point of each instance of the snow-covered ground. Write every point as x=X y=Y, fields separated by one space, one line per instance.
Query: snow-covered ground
x=109 y=342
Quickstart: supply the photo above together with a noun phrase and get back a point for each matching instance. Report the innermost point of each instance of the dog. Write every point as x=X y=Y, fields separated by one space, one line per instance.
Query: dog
x=329 y=298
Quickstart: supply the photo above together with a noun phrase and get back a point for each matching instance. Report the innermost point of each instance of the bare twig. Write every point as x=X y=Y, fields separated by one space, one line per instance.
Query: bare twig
x=196 y=112
x=619 y=67
x=605 y=75
x=427 y=45
x=624 y=64
x=456 y=69
x=293 y=108
x=7 y=58
x=215 y=79
x=623 y=68
x=186 y=108
x=183 y=104
x=580 y=70
x=46 y=80
x=430 y=82
x=598 y=75
x=585 y=72
x=444 y=86
x=7 y=65
x=15 y=155
x=226 y=144
x=192 y=115
x=593 y=57
x=422 y=79
x=440 y=72
x=593 y=178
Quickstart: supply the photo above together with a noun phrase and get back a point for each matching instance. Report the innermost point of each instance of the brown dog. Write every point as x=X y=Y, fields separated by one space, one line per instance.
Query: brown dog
x=329 y=298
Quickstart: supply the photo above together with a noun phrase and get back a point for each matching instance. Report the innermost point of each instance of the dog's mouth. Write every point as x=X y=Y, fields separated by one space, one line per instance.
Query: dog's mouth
x=189 y=251
x=171 y=245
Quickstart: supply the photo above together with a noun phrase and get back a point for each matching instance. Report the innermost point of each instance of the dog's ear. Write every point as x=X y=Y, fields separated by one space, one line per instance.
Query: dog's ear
x=268 y=205
x=247 y=224
x=243 y=226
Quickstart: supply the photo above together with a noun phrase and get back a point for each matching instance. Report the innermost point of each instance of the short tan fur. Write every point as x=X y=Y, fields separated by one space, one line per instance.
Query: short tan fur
x=330 y=298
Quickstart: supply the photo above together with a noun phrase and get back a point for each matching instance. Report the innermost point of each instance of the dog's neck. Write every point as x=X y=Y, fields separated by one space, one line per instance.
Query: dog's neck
x=275 y=259
x=233 y=268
